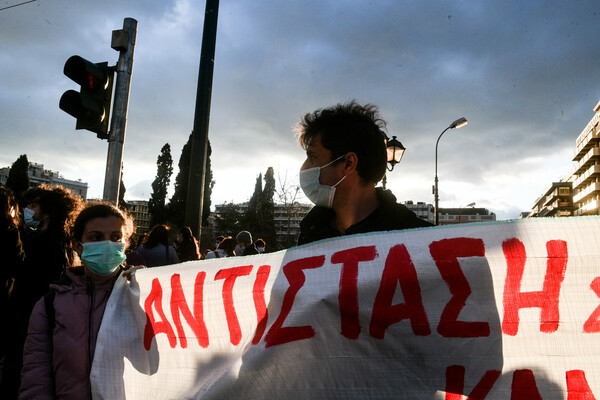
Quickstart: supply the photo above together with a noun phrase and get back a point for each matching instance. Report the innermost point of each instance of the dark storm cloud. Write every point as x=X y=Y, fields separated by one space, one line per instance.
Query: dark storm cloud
x=524 y=74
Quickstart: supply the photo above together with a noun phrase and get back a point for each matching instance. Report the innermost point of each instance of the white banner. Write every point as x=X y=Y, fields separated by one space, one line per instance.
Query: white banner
x=477 y=311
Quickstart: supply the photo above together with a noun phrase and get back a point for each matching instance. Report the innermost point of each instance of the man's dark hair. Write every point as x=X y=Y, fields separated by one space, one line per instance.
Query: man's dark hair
x=349 y=127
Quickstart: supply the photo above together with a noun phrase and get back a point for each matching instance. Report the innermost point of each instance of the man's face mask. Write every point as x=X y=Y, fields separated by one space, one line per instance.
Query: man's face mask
x=320 y=195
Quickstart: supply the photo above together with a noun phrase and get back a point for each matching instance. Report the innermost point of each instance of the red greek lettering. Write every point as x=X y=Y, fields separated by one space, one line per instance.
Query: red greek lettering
x=230 y=275
x=258 y=294
x=455 y=381
x=577 y=386
x=348 y=295
x=524 y=386
x=445 y=253
x=398 y=269
x=592 y=325
x=546 y=299
x=293 y=272
x=179 y=306
x=154 y=327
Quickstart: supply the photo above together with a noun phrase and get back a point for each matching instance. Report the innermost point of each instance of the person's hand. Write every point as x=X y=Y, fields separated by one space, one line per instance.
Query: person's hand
x=127 y=273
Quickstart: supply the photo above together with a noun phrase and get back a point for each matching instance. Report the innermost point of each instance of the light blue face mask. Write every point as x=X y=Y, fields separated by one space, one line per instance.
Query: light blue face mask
x=320 y=195
x=28 y=214
x=104 y=257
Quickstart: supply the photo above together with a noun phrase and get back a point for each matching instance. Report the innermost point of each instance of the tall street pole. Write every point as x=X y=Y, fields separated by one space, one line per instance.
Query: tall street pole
x=195 y=189
x=123 y=41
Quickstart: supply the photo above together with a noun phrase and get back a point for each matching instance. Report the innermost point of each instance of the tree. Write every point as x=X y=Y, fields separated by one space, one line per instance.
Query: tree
x=228 y=220
x=287 y=195
x=178 y=202
x=251 y=220
x=18 y=178
x=122 y=203
x=164 y=170
x=267 y=208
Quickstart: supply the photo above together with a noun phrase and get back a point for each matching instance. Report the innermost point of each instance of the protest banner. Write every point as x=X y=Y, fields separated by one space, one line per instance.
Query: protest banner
x=505 y=310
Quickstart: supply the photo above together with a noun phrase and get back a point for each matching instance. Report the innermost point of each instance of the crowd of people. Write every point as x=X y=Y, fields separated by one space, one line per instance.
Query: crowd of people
x=61 y=258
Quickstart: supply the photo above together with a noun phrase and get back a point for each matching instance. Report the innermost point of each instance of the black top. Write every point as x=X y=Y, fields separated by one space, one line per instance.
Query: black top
x=319 y=223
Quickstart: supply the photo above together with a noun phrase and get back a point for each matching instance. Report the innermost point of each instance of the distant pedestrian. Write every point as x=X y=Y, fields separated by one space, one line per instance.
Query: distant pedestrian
x=225 y=249
x=244 y=247
x=187 y=245
x=260 y=245
x=218 y=240
x=156 y=250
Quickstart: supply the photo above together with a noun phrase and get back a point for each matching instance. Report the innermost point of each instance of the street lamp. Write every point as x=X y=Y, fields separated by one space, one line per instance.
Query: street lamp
x=456 y=124
x=395 y=151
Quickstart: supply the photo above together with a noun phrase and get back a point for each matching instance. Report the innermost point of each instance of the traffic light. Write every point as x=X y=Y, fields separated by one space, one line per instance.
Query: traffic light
x=91 y=106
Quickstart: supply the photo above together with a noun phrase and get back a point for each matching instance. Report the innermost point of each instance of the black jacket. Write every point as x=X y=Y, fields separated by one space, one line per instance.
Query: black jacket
x=319 y=223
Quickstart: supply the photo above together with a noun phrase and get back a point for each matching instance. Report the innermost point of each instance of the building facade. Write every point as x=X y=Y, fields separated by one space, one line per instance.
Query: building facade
x=141 y=216
x=286 y=218
x=557 y=201
x=38 y=176
x=579 y=194
x=450 y=216
x=586 y=176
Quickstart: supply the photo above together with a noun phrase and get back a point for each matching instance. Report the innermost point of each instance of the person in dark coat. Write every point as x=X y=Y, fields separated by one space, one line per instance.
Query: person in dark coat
x=13 y=256
x=345 y=158
x=46 y=242
x=187 y=245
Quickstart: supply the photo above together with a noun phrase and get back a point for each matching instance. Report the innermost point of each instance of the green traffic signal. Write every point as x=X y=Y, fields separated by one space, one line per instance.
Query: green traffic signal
x=91 y=105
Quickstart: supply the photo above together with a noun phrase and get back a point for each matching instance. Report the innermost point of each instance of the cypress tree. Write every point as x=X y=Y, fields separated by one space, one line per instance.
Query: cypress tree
x=164 y=170
x=18 y=178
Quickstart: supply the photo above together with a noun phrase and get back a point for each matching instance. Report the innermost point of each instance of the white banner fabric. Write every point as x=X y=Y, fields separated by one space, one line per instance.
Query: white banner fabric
x=506 y=310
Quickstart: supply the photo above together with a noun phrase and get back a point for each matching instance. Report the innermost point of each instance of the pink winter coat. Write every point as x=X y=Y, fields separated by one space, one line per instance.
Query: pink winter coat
x=58 y=367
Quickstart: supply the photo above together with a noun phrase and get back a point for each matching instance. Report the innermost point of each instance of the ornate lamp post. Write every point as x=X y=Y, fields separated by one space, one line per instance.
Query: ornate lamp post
x=395 y=151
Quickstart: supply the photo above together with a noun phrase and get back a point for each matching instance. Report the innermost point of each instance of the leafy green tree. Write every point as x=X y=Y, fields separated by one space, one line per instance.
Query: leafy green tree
x=18 y=178
x=164 y=170
x=228 y=220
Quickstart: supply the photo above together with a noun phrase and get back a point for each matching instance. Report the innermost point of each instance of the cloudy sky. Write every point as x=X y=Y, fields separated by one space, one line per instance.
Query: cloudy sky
x=524 y=73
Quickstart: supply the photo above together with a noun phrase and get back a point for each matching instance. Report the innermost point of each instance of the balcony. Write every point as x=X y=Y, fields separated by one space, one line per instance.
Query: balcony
x=588 y=176
x=592 y=189
x=587 y=160
x=588 y=138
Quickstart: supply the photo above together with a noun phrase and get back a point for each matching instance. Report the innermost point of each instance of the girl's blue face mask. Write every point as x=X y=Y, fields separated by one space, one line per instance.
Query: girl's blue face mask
x=103 y=257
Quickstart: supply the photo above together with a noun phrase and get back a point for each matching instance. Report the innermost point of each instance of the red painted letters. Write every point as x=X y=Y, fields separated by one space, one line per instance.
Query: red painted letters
x=577 y=386
x=546 y=299
x=592 y=325
x=445 y=253
x=455 y=381
x=293 y=272
x=258 y=293
x=398 y=268
x=179 y=304
x=154 y=327
x=348 y=296
x=230 y=275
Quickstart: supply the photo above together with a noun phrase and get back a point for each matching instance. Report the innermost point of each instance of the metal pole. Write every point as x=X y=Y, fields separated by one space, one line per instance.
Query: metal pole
x=124 y=41
x=195 y=192
x=435 y=187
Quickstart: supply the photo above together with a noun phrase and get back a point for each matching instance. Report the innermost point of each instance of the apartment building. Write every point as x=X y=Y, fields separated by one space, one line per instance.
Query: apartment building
x=38 y=175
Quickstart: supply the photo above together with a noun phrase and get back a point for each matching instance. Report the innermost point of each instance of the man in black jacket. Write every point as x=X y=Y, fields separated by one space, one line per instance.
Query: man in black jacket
x=345 y=158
